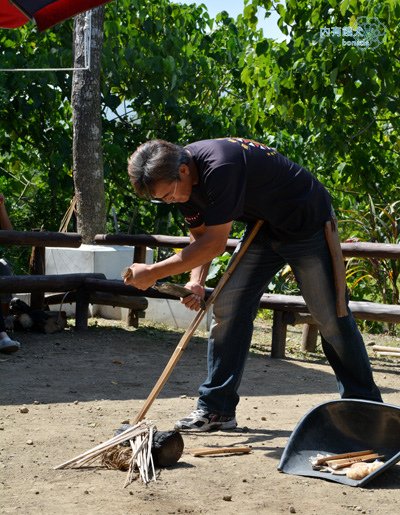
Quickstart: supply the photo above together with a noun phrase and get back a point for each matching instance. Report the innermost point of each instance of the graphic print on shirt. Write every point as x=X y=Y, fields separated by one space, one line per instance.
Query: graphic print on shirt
x=247 y=143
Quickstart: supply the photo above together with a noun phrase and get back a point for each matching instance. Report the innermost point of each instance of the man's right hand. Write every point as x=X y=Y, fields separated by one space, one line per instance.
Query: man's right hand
x=141 y=276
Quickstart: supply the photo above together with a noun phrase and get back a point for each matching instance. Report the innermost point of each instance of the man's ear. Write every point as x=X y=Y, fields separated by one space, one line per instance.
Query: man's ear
x=184 y=169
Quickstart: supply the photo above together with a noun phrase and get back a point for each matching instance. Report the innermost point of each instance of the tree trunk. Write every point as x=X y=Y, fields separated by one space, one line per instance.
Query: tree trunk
x=87 y=130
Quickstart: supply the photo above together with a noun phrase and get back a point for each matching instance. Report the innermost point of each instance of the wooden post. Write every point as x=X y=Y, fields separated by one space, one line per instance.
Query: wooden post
x=139 y=257
x=37 y=266
x=81 y=309
x=279 y=329
x=309 y=338
x=140 y=254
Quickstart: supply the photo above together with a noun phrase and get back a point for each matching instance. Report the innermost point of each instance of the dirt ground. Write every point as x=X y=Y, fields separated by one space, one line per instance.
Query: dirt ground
x=79 y=387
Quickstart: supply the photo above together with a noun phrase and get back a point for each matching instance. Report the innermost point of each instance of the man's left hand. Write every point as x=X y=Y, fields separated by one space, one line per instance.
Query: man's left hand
x=193 y=302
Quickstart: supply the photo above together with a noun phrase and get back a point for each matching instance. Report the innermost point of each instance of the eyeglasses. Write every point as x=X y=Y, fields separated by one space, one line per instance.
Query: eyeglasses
x=168 y=198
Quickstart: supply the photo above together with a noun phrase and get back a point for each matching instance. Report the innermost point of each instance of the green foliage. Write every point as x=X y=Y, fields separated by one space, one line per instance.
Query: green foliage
x=34 y=113
x=170 y=71
x=373 y=279
x=338 y=103
x=217 y=269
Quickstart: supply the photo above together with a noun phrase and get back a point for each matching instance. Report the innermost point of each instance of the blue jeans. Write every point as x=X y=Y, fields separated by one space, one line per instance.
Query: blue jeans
x=237 y=304
x=5 y=269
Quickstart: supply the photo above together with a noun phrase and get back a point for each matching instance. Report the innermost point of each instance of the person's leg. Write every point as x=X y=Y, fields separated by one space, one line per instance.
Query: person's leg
x=2 y=325
x=5 y=298
x=341 y=340
x=232 y=326
x=6 y=344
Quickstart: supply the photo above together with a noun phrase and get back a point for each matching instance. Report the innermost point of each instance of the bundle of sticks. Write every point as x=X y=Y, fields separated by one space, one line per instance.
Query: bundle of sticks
x=140 y=461
x=354 y=464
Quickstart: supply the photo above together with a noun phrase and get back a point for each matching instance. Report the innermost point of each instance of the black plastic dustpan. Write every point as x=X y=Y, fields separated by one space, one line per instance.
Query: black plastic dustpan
x=343 y=426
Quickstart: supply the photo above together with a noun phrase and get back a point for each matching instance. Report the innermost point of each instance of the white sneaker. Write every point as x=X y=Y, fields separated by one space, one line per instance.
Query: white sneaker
x=7 y=345
x=200 y=420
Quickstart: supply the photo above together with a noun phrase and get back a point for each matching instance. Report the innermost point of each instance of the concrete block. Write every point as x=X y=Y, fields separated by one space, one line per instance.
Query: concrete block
x=174 y=314
x=109 y=260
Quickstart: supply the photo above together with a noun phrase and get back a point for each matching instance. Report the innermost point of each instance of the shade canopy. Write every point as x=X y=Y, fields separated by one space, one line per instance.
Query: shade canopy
x=45 y=13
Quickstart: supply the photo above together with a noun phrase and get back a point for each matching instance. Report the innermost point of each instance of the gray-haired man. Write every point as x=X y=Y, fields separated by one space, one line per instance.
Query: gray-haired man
x=215 y=182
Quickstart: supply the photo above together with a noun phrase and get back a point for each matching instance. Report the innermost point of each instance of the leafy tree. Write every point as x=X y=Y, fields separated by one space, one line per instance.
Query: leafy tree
x=170 y=71
x=87 y=130
x=334 y=107
x=35 y=116
x=174 y=74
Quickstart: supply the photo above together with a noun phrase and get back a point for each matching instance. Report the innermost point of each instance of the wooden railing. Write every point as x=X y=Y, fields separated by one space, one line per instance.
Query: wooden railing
x=78 y=290
x=41 y=238
x=287 y=309
x=141 y=241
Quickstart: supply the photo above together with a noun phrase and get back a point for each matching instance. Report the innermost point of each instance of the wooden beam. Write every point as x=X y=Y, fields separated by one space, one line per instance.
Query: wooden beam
x=375 y=311
x=360 y=309
x=34 y=283
x=40 y=239
x=153 y=241
x=371 y=250
x=103 y=298
x=118 y=287
x=122 y=301
x=283 y=302
x=353 y=249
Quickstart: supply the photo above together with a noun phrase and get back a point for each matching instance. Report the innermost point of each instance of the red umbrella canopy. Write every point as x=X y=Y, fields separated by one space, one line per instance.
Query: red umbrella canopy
x=45 y=13
x=10 y=16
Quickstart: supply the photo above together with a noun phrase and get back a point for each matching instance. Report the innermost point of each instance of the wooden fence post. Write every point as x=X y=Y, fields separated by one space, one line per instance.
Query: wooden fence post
x=37 y=266
x=139 y=257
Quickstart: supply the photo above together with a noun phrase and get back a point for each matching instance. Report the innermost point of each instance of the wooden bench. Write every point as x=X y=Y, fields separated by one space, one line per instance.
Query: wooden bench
x=287 y=309
x=53 y=283
x=292 y=310
x=78 y=288
x=69 y=287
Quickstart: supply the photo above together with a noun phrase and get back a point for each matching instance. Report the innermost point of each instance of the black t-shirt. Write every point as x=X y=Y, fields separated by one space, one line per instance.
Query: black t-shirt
x=240 y=179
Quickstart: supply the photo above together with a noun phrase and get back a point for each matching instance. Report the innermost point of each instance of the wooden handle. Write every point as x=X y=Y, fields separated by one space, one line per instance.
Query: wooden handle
x=126 y=273
x=193 y=326
x=339 y=271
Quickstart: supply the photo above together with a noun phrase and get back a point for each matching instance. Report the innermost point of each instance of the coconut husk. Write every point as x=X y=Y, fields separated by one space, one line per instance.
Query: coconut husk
x=167 y=448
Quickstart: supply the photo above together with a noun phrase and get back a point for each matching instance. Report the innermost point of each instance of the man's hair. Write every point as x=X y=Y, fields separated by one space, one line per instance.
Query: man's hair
x=155 y=160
